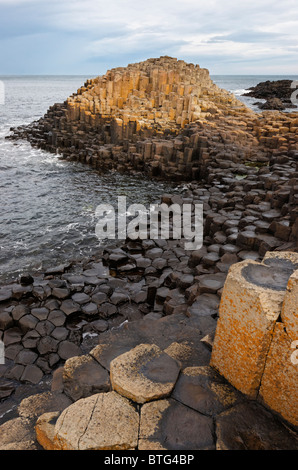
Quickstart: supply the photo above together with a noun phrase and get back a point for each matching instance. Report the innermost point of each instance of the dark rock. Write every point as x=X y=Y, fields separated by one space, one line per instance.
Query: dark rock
x=118 y=298
x=83 y=376
x=30 y=339
x=44 y=328
x=205 y=304
x=56 y=283
x=106 y=310
x=16 y=372
x=67 y=349
x=60 y=269
x=249 y=426
x=6 y=320
x=69 y=306
x=60 y=333
x=19 y=311
x=185 y=281
x=130 y=312
x=27 y=322
x=210 y=259
x=203 y=390
x=99 y=325
x=170 y=425
x=26 y=279
x=40 y=313
x=26 y=357
x=57 y=317
x=12 y=336
x=154 y=253
x=47 y=344
x=226 y=261
x=211 y=283
x=39 y=293
x=276 y=92
x=32 y=374
x=60 y=292
x=143 y=263
x=5 y=294
x=6 y=388
x=43 y=364
x=99 y=298
x=52 y=304
x=12 y=351
x=273 y=103
x=20 y=291
x=74 y=279
x=90 y=309
x=53 y=359
x=80 y=298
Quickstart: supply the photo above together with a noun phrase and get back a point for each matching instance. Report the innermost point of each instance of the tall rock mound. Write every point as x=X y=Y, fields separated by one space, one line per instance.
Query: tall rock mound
x=158 y=117
x=148 y=98
x=164 y=118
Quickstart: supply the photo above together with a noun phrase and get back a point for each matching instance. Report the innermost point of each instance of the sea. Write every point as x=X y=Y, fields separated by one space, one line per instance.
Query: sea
x=47 y=205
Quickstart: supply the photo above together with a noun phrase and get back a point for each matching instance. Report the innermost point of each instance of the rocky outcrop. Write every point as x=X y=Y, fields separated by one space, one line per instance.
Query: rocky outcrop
x=254 y=338
x=162 y=117
x=141 y=355
x=165 y=118
x=276 y=93
x=201 y=404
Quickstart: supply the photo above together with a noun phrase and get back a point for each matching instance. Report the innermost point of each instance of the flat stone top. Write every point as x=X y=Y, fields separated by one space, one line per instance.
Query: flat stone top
x=273 y=274
x=145 y=373
x=105 y=421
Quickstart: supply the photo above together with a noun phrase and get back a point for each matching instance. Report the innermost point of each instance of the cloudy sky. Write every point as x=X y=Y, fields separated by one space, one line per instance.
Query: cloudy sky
x=87 y=37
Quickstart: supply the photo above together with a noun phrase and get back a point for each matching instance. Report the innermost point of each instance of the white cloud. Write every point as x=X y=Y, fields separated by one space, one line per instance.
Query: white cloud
x=196 y=30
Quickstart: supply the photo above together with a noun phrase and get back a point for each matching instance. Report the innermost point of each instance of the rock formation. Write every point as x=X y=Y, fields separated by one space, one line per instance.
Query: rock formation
x=276 y=93
x=254 y=336
x=86 y=325
x=164 y=118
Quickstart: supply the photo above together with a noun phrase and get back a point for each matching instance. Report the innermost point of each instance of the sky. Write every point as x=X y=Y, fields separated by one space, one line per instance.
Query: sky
x=89 y=37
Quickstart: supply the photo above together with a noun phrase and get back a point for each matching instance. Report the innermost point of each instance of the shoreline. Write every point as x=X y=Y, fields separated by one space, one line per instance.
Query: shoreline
x=242 y=167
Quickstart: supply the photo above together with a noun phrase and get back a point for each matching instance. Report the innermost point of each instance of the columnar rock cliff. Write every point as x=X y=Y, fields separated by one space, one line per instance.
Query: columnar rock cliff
x=155 y=94
x=166 y=118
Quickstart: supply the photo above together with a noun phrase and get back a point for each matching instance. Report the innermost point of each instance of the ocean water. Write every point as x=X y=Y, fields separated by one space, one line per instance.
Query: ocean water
x=239 y=84
x=47 y=205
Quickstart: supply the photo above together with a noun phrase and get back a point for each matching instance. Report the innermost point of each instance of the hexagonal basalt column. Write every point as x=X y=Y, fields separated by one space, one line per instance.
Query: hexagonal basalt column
x=279 y=386
x=144 y=373
x=105 y=421
x=251 y=304
x=169 y=425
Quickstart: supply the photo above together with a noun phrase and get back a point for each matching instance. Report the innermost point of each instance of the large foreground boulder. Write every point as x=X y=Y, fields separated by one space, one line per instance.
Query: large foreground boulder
x=105 y=421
